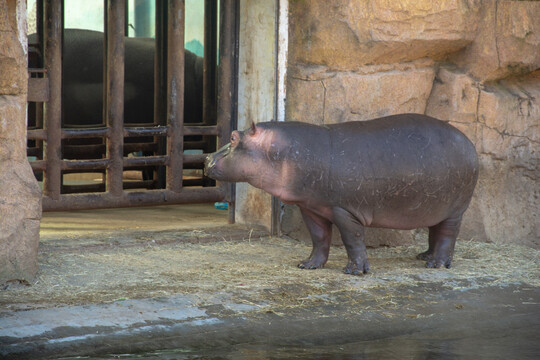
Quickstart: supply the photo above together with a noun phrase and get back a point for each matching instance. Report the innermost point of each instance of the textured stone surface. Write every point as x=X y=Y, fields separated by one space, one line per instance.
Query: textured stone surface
x=347 y=34
x=507 y=41
x=334 y=97
x=12 y=58
x=503 y=119
x=473 y=63
x=20 y=195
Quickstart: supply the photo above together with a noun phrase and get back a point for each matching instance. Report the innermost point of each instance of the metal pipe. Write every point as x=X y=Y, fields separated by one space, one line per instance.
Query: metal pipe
x=53 y=108
x=37 y=134
x=190 y=159
x=139 y=131
x=84 y=133
x=175 y=92
x=146 y=161
x=133 y=198
x=114 y=92
x=84 y=164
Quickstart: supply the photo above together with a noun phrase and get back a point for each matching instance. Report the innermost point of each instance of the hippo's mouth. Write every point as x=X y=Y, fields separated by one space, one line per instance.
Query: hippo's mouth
x=210 y=168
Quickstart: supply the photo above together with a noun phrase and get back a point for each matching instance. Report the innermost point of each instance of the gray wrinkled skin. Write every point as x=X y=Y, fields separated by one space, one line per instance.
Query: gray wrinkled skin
x=403 y=172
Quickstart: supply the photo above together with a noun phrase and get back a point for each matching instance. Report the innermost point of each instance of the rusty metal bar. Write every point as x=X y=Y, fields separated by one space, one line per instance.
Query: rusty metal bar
x=37 y=134
x=146 y=161
x=38 y=165
x=114 y=92
x=228 y=83
x=84 y=164
x=53 y=108
x=133 y=198
x=190 y=159
x=84 y=133
x=175 y=92
x=140 y=131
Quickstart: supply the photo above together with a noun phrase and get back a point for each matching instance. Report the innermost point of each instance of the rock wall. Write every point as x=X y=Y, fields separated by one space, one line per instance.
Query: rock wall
x=20 y=196
x=471 y=62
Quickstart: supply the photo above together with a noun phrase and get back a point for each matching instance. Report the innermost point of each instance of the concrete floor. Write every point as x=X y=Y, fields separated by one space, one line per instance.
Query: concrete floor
x=177 y=282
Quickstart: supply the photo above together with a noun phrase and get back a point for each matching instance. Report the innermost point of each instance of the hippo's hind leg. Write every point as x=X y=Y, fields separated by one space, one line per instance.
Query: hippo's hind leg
x=320 y=230
x=352 y=235
x=442 y=239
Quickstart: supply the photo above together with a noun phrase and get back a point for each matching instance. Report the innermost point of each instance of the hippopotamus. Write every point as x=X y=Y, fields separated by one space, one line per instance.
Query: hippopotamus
x=403 y=172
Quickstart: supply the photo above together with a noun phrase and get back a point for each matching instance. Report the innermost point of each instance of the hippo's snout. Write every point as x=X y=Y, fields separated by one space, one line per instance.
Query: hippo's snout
x=210 y=168
x=209 y=163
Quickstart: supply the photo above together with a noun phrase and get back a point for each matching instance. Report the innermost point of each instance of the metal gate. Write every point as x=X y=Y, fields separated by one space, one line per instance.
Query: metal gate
x=164 y=140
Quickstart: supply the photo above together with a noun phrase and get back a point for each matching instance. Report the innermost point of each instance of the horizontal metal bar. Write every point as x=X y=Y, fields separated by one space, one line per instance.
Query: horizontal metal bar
x=141 y=131
x=194 y=158
x=40 y=134
x=38 y=165
x=133 y=198
x=37 y=70
x=37 y=134
x=84 y=164
x=146 y=161
x=84 y=133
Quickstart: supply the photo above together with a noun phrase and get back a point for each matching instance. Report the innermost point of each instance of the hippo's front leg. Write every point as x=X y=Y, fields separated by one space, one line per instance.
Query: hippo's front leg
x=352 y=235
x=320 y=230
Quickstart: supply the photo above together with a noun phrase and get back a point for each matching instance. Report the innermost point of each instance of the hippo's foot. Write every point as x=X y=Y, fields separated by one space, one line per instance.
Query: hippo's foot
x=312 y=263
x=426 y=255
x=436 y=262
x=357 y=267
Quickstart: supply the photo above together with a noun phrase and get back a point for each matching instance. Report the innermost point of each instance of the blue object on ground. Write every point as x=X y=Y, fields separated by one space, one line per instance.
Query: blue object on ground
x=221 y=205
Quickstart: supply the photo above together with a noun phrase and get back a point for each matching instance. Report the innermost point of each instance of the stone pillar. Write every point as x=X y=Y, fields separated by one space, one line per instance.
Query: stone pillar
x=20 y=195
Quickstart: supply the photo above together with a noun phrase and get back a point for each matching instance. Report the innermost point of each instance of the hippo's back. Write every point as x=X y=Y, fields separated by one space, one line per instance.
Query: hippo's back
x=402 y=171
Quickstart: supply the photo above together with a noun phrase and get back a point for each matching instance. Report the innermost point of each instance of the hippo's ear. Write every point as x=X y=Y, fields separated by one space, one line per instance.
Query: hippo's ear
x=252 y=129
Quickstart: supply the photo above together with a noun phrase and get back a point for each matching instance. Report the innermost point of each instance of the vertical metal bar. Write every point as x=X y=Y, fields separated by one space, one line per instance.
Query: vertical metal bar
x=228 y=82
x=53 y=108
x=114 y=92
x=175 y=93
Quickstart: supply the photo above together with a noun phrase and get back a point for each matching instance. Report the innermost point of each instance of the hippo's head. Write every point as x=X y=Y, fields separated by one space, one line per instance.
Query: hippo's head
x=246 y=158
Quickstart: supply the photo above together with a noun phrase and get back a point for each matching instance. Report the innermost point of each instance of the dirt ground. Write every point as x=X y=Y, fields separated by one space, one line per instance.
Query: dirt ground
x=99 y=258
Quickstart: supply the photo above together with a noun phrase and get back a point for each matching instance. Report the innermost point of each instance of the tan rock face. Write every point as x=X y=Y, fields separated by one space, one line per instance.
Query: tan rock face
x=503 y=119
x=473 y=63
x=507 y=41
x=20 y=195
x=345 y=35
x=334 y=97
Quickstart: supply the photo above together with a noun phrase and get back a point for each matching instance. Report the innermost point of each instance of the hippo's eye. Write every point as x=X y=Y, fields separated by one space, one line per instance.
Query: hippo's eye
x=234 y=138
